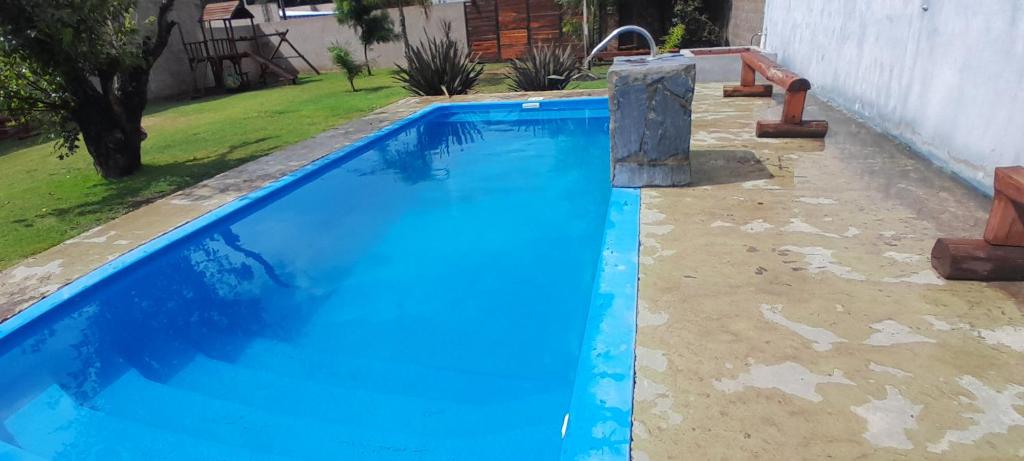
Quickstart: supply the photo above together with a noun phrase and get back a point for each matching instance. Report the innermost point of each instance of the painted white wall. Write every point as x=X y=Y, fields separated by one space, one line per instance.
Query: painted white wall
x=313 y=35
x=948 y=80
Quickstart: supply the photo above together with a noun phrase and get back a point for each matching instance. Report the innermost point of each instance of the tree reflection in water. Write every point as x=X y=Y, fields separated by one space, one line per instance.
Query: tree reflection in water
x=210 y=296
x=410 y=155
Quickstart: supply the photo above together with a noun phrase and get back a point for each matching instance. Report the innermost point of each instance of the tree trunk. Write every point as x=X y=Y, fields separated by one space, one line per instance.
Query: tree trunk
x=366 y=57
x=352 y=83
x=401 y=23
x=110 y=116
x=115 y=153
x=114 y=144
x=110 y=119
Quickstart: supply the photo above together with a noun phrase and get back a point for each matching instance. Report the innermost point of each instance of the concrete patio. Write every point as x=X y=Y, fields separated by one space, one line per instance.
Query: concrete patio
x=787 y=306
x=788 y=309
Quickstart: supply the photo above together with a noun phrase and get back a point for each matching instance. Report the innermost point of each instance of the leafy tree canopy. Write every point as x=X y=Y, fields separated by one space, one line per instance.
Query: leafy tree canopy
x=82 y=67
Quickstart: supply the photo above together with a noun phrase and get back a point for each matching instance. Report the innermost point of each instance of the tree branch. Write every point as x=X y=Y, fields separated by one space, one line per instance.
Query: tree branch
x=29 y=101
x=164 y=26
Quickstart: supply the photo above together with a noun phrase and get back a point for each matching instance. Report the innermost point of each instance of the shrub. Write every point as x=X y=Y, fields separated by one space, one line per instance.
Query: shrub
x=695 y=17
x=544 y=68
x=439 y=66
x=674 y=39
x=344 y=60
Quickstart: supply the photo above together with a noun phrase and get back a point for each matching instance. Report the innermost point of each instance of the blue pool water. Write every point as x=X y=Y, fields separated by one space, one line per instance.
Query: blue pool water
x=424 y=295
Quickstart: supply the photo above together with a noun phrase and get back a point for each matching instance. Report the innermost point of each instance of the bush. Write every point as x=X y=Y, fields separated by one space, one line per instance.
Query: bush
x=344 y=60
x=674 y=39
x=439 y=66
x=695 y=18
x=544 y=68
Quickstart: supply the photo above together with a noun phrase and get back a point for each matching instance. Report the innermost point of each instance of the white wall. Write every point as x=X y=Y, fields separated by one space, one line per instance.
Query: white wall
x=170 y=76
x=312 y=35
x=948 y=81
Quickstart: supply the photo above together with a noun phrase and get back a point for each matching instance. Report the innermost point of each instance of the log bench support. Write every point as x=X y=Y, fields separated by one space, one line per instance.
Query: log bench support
x=792 y=124
x=999 y=256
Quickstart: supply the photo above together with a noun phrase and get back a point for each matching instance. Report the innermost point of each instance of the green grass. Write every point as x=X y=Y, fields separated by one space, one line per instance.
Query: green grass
x=44 y=201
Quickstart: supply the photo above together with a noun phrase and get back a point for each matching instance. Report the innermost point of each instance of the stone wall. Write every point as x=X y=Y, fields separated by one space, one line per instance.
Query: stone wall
x=942 y=77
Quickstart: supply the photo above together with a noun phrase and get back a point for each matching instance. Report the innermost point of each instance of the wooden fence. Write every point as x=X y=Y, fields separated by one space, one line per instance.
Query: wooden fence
x=500 y=30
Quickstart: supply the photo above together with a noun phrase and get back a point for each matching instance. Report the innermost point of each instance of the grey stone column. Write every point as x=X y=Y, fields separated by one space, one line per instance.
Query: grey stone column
x=650 y=105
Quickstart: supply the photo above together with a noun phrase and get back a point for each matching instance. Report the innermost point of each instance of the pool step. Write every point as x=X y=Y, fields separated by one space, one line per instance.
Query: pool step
x=53 y=426
x=231 y=423
x=158 y=356
x=12 y=453
x=453 y=408
x=363 y=411
x=283 y=395
x=390 y=376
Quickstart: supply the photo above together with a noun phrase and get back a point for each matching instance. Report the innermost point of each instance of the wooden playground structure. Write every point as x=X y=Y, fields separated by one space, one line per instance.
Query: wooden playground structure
x=224 y=57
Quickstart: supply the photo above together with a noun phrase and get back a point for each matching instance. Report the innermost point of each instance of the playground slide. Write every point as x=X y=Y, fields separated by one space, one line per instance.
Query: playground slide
x=272 y=67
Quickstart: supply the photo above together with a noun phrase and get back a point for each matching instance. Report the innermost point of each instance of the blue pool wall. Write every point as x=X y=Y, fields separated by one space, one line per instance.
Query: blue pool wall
x=599 y=421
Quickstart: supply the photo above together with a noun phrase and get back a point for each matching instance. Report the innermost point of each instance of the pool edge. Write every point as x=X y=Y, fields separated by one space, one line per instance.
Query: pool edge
x=599 y=421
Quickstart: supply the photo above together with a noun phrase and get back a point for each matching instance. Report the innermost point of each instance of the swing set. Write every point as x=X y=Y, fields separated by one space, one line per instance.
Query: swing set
x=224 y=56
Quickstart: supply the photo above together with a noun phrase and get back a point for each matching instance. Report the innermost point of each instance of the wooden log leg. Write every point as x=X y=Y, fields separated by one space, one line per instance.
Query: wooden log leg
x=759 y=91
x=747 y=75
x=805 y=129
x=1005 y=222
x=968 y=259
x=793 y=107
x=748 y=86
x=792 y=124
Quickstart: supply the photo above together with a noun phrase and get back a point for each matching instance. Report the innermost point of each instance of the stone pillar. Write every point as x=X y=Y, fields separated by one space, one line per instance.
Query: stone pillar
x=650 y=120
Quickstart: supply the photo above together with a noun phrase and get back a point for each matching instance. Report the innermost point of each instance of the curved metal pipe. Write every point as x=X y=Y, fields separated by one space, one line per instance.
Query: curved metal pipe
x=615 y=33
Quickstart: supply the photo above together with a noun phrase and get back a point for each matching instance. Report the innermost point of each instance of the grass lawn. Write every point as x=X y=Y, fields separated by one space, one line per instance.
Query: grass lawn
x=44 y=201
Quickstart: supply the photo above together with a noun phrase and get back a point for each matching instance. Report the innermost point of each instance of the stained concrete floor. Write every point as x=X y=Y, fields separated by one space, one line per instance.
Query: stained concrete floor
x=788 y=309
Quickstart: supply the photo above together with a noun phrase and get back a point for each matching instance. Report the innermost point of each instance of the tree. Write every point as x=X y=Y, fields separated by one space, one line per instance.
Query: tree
x=700 y=29
x=370 y=20
x=596 y=14
x=81 y=67
x=343 y=59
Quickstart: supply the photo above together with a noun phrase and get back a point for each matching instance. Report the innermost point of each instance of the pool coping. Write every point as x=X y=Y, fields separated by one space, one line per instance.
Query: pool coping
x=41 y=275
x=598 y=425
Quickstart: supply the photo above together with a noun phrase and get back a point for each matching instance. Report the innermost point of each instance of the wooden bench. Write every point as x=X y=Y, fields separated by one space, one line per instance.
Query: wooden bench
x=999 y=255
x=792 y=124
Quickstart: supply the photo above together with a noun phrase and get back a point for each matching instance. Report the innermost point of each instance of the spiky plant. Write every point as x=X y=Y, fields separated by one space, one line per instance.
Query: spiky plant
x=439 y=67
x=544 y=68
x=344 y=60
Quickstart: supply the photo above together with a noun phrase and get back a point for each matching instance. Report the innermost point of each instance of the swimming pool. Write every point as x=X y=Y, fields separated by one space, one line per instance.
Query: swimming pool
x=460 y=286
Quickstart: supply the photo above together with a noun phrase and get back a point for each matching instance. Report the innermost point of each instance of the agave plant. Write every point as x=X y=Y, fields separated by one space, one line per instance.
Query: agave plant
x=439 y=67
x=544 y=68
